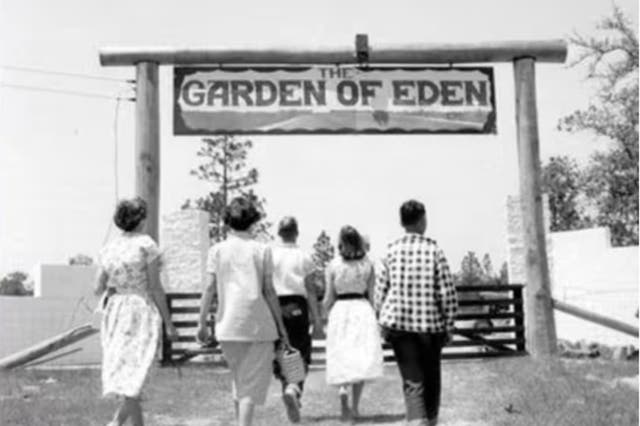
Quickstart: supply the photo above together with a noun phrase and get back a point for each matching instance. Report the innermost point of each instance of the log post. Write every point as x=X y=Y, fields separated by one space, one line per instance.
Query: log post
x=147 y=145
x=540 y=324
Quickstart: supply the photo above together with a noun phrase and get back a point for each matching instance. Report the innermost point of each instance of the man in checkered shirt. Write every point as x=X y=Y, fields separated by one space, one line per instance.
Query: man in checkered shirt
x=416 y=304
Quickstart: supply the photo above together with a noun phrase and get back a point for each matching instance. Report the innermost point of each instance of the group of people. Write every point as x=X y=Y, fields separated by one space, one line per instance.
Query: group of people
x=267 y=298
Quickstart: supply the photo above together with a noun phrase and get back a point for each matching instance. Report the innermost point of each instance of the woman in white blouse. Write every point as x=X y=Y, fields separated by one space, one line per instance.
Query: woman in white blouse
x=248 y=318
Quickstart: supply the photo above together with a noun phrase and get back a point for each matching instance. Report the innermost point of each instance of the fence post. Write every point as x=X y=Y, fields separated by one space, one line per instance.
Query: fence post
x=519 y=319
x=166 y=343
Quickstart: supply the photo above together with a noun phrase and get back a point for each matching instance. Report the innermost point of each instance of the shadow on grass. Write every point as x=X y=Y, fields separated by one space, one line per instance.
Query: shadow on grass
x=368 y=419
x=380 y=418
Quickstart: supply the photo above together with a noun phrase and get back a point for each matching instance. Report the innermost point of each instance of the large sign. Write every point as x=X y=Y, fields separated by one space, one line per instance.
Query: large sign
x=333 y=100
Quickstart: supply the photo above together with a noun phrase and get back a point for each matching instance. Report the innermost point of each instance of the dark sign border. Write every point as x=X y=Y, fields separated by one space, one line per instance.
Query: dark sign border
x=181 y=129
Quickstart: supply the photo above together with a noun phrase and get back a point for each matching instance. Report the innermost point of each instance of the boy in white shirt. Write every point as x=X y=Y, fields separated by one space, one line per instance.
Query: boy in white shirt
x=293 y=271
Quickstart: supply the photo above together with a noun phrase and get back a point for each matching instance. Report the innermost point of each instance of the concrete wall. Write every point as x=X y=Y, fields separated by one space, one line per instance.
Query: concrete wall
x=592 y=275
x=184 y=242
x=74 y=281
x=586 y=272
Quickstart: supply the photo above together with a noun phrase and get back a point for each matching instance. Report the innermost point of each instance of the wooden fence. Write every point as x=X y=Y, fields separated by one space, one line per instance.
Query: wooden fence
x=490 y=323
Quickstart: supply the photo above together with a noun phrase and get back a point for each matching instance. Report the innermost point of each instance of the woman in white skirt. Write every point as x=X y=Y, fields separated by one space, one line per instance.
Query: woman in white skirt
x=354 y=349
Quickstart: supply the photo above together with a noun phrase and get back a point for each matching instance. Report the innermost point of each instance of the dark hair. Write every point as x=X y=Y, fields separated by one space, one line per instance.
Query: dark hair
x=411 y=212
x=241 y=213
x=288 y=228
x=350 y=244
x=129 y=213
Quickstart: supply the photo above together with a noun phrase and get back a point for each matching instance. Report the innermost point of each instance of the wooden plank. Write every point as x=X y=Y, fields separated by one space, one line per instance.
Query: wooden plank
x=596 y=318
x=183 y=296
x=483 y=342
x=492 y=288
x=480 y=330
x=197 y=351
x=501 y=315
x=147 y=145
x=185 y=310
x=444 y=53
x=468 y=355
x=189 y=324
x=539 y=312
x=488 y=302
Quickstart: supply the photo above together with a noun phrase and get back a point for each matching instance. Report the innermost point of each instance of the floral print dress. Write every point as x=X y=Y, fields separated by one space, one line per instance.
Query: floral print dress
x=131 y=322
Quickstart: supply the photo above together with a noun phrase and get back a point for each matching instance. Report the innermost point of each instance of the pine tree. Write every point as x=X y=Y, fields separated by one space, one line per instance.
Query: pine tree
x=323 y=253
x=225 y=166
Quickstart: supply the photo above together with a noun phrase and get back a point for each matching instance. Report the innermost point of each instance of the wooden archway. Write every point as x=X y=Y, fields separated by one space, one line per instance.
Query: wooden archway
x=541 y=334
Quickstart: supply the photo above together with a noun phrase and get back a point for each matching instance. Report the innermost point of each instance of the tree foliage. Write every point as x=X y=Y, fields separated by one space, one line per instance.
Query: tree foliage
x=474 y=272
x=81 y=260
x=14 y=284
x=610 y=180
x=563 y=182
x=323 y=253
x=225 y=166
x=323 y=250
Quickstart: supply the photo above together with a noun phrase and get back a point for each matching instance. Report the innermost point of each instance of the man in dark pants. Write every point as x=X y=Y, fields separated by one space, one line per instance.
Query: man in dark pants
x=293 y=281
x=416 y=303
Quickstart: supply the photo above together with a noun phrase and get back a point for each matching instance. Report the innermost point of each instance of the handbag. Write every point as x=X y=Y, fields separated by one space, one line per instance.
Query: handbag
x=291 y=364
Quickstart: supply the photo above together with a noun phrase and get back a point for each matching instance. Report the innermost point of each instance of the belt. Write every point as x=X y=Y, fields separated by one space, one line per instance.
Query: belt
x=350 y=296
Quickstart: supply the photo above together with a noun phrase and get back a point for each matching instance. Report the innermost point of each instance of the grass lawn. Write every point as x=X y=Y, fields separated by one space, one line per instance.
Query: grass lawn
x=516 y=391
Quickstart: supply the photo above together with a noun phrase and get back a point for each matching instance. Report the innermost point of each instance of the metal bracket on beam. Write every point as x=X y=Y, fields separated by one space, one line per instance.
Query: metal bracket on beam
x=362 y=49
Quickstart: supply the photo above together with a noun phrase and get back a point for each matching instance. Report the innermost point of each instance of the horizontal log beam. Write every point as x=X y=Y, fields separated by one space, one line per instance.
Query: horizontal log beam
x=505 y=51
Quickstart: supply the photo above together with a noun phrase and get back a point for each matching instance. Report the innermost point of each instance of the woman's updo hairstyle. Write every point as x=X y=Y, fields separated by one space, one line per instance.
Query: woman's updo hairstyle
x=241 y=213
x=129 y=213
x=350 y=246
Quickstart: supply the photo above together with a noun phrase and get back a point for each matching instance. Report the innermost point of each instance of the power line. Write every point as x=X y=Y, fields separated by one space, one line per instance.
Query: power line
x=66 y=92
x=66 y=74
x=115 y=162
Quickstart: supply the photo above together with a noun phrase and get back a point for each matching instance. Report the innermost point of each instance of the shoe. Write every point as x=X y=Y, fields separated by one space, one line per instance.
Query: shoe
x=292 y=403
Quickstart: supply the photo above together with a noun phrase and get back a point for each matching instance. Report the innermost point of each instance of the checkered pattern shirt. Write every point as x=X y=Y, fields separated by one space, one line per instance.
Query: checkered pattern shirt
x=414 y=290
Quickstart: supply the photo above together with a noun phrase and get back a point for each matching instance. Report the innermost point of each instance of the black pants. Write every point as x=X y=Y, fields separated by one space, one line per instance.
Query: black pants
x=295 y=315
x=418 y=357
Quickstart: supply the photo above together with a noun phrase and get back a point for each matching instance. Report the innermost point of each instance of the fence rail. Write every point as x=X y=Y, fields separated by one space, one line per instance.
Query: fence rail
x=490 y=323
x=602 y=320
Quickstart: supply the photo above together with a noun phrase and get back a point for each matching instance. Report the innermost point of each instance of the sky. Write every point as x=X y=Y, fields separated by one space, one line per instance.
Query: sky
x=65 y=160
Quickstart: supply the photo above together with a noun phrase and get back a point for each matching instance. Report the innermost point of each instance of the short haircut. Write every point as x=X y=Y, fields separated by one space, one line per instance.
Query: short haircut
x=241 y=213
x=411 y=212
x=129 y=213
x=288 y=228
x=350 y=244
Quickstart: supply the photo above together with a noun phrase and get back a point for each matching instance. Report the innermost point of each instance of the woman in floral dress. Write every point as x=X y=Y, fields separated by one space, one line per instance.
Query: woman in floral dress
x=133 y=308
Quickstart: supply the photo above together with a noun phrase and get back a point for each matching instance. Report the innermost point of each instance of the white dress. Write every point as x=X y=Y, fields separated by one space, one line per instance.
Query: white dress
x=354 y=348
x=131 y=322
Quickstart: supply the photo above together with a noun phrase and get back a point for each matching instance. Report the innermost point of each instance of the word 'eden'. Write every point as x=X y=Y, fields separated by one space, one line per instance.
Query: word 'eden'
x=348 y=93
